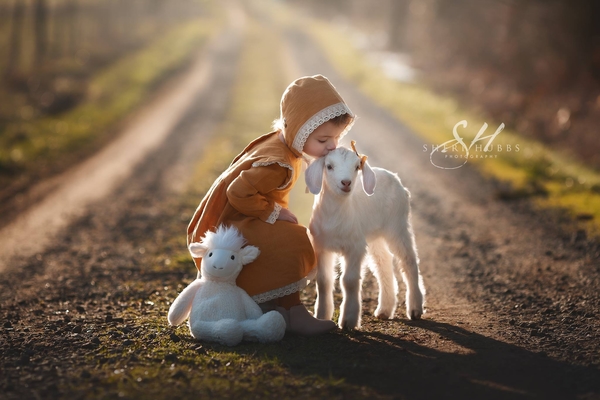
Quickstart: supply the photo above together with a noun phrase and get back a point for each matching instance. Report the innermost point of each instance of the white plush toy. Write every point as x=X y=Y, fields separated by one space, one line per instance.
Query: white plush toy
x=220 y=311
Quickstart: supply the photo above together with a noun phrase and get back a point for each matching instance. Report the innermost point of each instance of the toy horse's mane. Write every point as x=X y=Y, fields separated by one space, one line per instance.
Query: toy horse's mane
x=226 y=238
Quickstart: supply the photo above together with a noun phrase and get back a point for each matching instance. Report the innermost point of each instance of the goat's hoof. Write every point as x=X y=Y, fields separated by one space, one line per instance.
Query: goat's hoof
x=349 y=325
x=415 y=314
x=383 y=315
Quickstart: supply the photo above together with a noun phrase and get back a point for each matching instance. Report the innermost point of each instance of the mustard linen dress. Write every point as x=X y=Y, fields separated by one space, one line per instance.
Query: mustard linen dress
x=252 y=191
x=250 y=194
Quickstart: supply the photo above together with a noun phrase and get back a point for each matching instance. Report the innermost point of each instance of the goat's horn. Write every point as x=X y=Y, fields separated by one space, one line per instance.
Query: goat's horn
x=353 y=144
x=363 y=158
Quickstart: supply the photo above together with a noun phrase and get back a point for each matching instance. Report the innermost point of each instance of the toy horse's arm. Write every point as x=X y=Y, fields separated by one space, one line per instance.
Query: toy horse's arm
x=252 y=309
x=181 y=307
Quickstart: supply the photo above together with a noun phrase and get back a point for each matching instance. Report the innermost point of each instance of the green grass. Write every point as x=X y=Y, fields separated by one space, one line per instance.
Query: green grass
x=550 y=179
x=31 y=146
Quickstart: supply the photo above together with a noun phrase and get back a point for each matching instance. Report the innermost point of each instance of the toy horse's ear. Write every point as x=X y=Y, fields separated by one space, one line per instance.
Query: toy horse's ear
x=198 y=250
x=249 y=254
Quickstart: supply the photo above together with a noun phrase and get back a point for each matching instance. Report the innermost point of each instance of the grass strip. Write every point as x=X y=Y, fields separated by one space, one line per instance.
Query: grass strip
x=31 y=146
x=535 y=171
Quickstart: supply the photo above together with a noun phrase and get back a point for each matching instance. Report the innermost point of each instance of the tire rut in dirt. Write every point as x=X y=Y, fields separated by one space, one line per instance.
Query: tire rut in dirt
x=57 y=306
x=132 y=212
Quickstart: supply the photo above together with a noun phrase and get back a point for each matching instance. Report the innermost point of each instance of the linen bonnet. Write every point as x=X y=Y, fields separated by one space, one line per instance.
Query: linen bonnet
x=307 y=103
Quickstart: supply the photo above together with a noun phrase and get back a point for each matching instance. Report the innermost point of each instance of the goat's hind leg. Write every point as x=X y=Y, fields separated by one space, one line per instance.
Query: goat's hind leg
x=325 y=275
x=382 y=268
x=405 y=250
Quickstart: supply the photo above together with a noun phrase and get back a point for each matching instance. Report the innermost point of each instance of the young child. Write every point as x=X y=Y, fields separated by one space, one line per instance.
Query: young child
x=253 y=194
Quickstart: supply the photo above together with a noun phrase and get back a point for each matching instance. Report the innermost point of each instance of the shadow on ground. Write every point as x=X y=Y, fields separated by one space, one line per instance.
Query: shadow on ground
x=399 y=366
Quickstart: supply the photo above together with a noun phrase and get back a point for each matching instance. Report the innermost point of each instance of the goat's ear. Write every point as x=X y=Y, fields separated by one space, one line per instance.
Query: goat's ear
x=369 y=180
x=198 y=249
x=314 y=175
x=249 y=254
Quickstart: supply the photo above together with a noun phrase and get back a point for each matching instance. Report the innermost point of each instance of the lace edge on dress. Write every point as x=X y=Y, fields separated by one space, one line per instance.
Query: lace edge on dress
x=284 y=291
x=267 y=163
x=275 y=214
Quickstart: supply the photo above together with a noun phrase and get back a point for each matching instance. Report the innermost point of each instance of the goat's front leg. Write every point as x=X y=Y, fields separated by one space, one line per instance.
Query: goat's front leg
x=350 y=310
x=325 y=273
x=383 y=270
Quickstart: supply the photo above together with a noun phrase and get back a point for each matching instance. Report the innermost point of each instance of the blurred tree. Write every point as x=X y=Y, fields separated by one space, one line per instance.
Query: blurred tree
x=40 y=28
x=49 y=48
x=72 y=23
x=15 y=41
x=533 y=64
x=398 y=24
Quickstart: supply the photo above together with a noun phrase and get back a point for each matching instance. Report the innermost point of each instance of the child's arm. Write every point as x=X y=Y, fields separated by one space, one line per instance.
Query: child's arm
x=248 y=193
x=287 y=215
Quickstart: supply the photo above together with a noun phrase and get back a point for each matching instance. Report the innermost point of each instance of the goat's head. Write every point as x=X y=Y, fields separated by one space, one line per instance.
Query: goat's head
x=341 y=169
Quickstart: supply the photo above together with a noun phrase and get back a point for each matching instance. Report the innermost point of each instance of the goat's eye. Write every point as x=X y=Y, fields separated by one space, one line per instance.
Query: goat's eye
x=233 y=257
x=357 y=167
x=329 y=167
x=210 y=254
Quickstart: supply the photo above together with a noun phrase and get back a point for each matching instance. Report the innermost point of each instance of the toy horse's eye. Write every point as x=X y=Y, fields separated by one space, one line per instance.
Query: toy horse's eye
x=233 y=257
x=210 y=254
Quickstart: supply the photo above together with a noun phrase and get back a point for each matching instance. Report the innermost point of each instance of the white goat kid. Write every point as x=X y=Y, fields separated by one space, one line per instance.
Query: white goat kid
x=354 y=223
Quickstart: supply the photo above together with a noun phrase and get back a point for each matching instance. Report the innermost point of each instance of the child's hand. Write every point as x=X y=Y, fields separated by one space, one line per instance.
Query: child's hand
x=287 y=215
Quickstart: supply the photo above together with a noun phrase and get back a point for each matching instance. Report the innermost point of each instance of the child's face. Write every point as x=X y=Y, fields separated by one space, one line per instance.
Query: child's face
x=323 y=139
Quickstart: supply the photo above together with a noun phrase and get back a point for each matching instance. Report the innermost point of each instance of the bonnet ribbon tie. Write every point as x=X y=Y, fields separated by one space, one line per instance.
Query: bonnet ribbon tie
x=363 y=158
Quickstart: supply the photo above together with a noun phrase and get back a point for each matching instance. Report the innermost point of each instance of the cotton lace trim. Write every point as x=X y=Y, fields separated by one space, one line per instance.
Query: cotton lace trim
x=275 y=214
x=334 y=110
x=284 y=165
x=284 y=291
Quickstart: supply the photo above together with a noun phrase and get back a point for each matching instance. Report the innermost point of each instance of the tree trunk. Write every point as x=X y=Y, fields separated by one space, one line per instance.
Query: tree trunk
x=73 y=30
x=398 y=20
x=40 y=27
x=14 y=45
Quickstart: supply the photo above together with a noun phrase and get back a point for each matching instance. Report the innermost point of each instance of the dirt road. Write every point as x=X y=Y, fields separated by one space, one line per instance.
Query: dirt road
x=513 y=309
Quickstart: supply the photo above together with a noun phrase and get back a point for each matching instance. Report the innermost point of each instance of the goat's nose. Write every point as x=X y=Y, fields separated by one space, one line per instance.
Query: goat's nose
x=346 y=182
